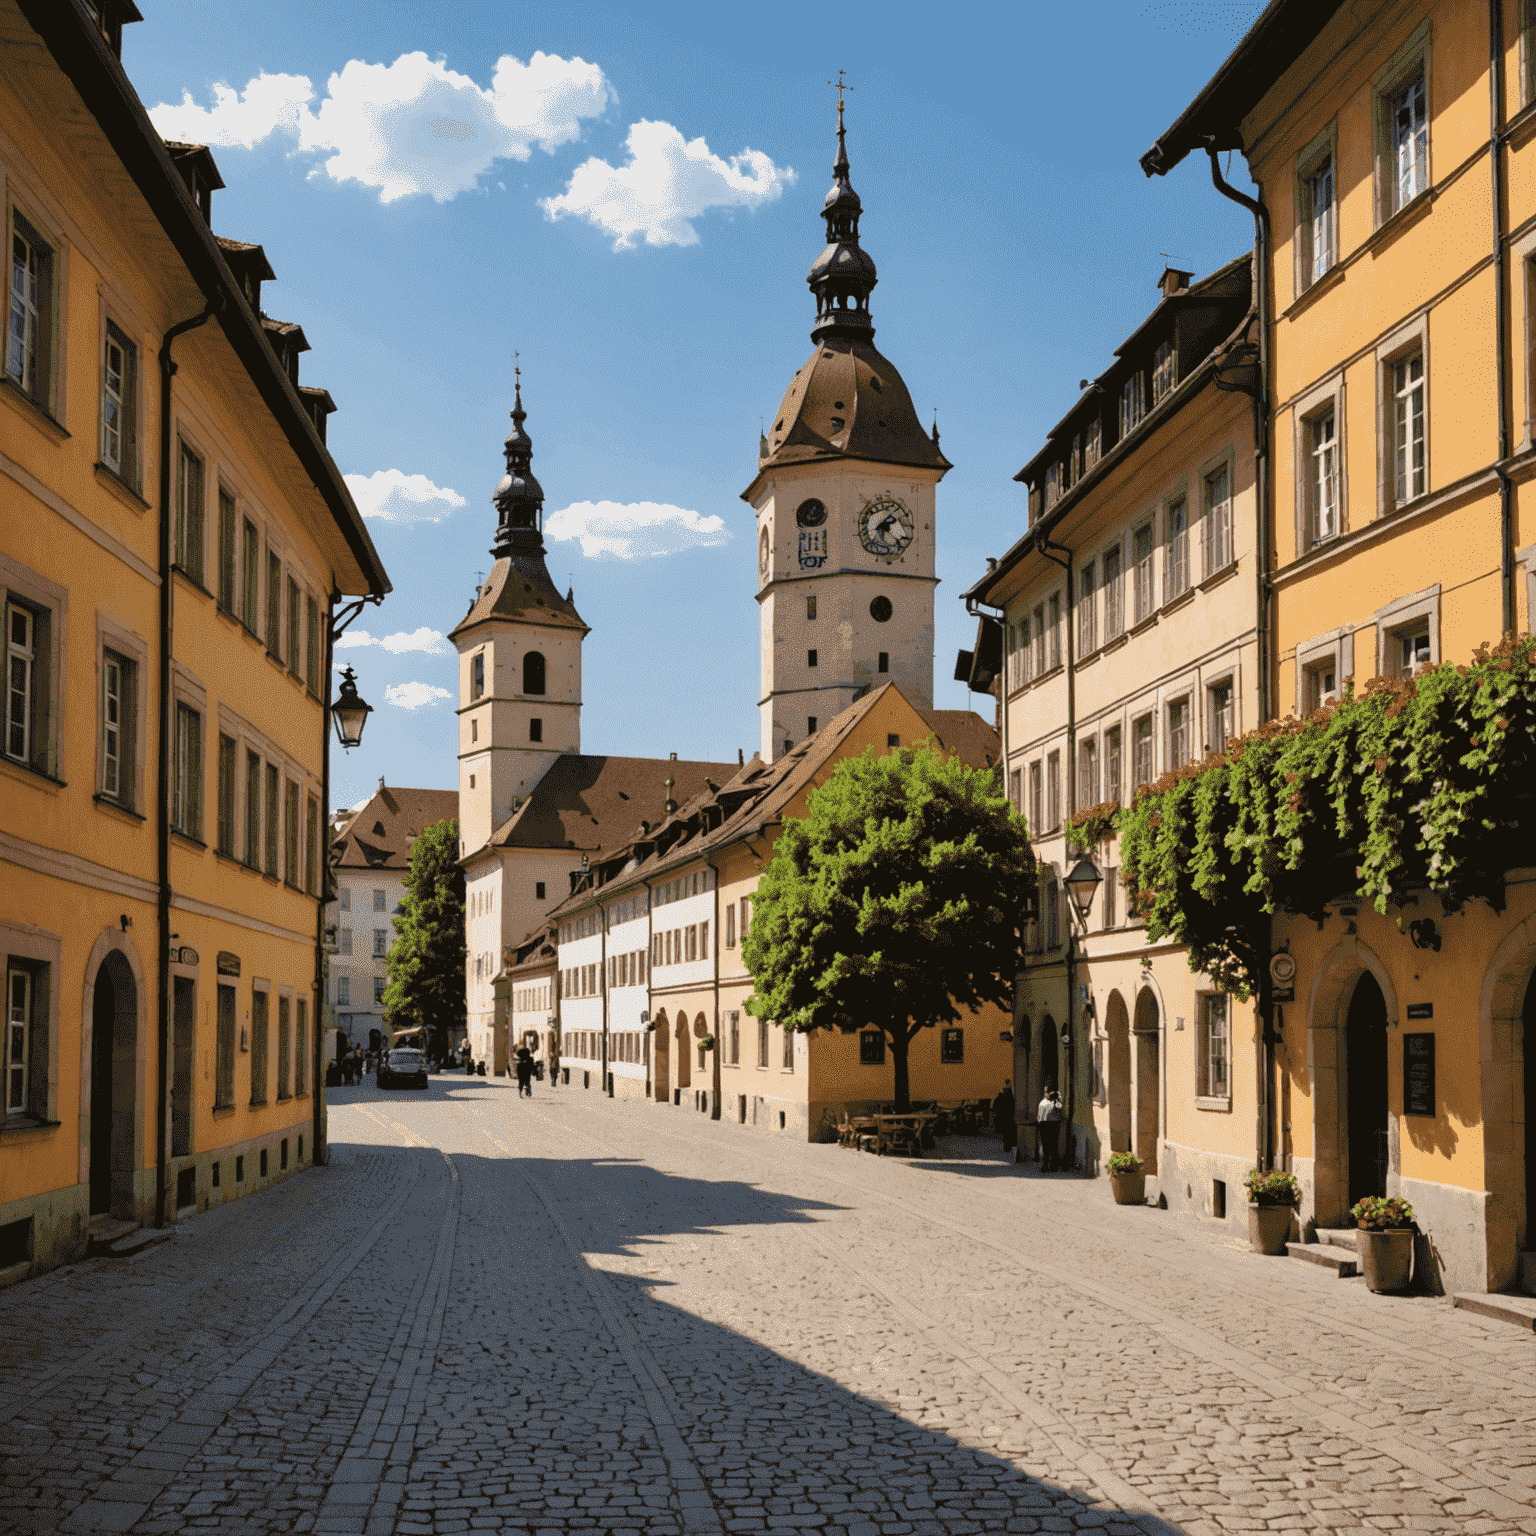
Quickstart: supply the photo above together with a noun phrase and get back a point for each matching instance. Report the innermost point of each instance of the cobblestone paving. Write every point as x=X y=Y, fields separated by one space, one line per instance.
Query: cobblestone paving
x=568 y=1314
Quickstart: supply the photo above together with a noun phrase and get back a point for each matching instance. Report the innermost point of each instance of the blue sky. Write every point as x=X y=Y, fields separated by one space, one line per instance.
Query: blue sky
x=428 y=216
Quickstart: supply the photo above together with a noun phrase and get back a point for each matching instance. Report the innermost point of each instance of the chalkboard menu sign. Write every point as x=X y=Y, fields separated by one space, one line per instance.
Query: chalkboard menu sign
x=1419 y=1075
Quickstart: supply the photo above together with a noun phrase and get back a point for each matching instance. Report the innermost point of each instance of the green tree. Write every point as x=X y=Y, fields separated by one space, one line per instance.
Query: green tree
x=426 y=963
x=893 y=904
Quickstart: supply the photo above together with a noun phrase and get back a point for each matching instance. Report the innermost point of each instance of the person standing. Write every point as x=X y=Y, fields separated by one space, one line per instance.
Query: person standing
x=1002 y=1115
x=1049 y=1117
x=524 y=1072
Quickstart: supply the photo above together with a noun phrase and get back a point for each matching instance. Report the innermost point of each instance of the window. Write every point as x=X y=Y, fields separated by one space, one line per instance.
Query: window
x=1409 y=478
x=1141 y=572
x=789 y=1049
x=1037 y=642
x=274 y=605
x=344 y=896
x=294 y=620
x=273 y=790
x=380 y=938
x=226 y=833
x=284 y=1047
x=119 y=690
x=1218 y=519
x=1218 y=704
x=1143 y=748
x=187 y=785
x=871 y=1048
x=1321 y=436
x=258 y=1047
x=746 y=915
x=1407 y=136
x=1133 y=404
x=1087 y=773
x=1176 y=560
x=189 y=514
x=1093 y=440
x=883 y=662
x=253 y=810
x=119 y=406
x=378 y=901
x=1114 y=599
x=1111 y=896
x=730 y=926
x=952 y=1046
x=1053 y=632
x=312 y=846
x=810 y=658
x=533 y=672
x=810 y=725
x=538 y=890
x=301 y=1052
x=810 y=607
x=1053 y=791
x=762 y=1042
x=312 y=645
x=735 y=1036
x=1112 y=763
x=344 y=990
x=1409 y=648
x=1017 y=642
x=226 y=551
x=1052 y=485
x=1162 y=371
x=1318 y=252
x=535 y=730
x=477 y=676
x=1178 y=734
x=1016 y=791
x=224 y=1048
x=378 y=991
x=18 y=1041
x=1320 y=684
x=1052 y=912
x=1215 y=1047
x=250 y=574
x=1036 y=800
x=29 y=332
x=1087 y=635
x=344 y=941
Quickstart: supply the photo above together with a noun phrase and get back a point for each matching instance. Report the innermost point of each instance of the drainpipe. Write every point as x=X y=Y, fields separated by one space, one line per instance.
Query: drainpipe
x=602 y=970
x=1500 y=305
x=1263 y=491
x=650 y=1010
x=163 y=775
x=714 y=1113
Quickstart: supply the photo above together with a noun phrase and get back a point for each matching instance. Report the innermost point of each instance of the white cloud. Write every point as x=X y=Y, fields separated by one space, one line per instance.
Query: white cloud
x=395 y=497
x=666 y=184
x=432 y=641
x=413 y=695
x=635 y=530
x=407 y=127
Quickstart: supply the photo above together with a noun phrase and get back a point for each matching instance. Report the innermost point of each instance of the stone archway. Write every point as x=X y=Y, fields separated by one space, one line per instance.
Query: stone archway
x=1333 y=988
x=1050 y=1055
x=684 y=1057
x=1507 y=1060
x=114 y=1112
x=662 y=1050
x=1117 y=1081
x=1148 y=1104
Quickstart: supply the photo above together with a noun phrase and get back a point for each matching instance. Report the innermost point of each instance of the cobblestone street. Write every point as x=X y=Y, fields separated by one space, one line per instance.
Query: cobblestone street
x=571 y=1314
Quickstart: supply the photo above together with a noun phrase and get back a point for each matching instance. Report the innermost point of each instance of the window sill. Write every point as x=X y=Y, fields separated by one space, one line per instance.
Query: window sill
x=194 y=583
x=1112 y=645
x=1216 y=578
x=32 y=773
x=1404 y=218
x=39 y=415
x=1142 y=625
x=1325 y=284
x=189 y=840
x=257 y=1104
x=1216 y=1105
x=1183 y=600
x=124 y=489
x=26 y=1125
x=223 y=1111
x=117 y=808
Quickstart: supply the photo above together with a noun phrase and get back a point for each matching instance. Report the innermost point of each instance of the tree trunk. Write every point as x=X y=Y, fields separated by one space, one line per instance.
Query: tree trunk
x=900 y=1040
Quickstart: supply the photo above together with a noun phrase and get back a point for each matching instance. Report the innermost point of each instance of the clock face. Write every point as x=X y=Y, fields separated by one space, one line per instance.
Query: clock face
x=763 y=549
x=812 y=514
x=885 y=526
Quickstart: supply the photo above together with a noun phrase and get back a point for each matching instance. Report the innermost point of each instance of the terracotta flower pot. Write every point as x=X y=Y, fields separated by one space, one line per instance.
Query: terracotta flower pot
x=1269 y=1227
x=1386 y=1258
x=1129 y=1188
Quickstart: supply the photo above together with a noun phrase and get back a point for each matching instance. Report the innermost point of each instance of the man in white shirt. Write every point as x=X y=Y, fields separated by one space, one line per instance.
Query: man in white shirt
x=1049 y=1117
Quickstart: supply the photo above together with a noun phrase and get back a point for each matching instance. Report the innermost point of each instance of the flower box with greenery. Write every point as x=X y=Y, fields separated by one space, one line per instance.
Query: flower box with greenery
x=1384 y=1241
x=706 y=1042
x=1412 y=784
x=1272 y=1197
x=1126 y=1178
x=1087 y=829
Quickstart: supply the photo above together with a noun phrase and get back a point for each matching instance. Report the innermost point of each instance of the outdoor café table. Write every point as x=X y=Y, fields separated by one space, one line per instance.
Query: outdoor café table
x=900 y=1132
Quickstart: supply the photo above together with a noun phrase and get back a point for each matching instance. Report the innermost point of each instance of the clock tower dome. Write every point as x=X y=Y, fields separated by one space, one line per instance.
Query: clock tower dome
x=845 y=497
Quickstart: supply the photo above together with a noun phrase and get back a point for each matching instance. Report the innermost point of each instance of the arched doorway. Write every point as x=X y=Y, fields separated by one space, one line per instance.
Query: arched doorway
x=1148 y=1083
x=1118 y=1078
x=684 y=1062
x=1048 y=1055
x=1528 y=1087
x=662 y=1049
x=1365 y=1088
x=114 y=1059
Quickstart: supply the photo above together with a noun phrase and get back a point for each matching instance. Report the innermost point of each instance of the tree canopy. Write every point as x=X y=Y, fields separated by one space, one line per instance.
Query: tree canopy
x=894 y=904
x=426 y=963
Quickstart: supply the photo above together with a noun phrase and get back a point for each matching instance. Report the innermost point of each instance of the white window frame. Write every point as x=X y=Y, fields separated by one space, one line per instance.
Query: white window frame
x=1218 y=533
x=1410 y=338
x=1324 y=399
x=1053 y=632
x=1418 y=611
x=1317 y=232
x=1403 y=173
x=1219 y=733
x=1179 y=741
x=1133 y=403
x=1334 y=648
x=44 y=311
x=1087 y=613
x=1114 y=592
x=1176 y=571
x=1164 y=370
x=1114 y=756
x=1143 y=582
x=1137 y=777
x=111 y=636
x=41 y=953
x=120 y=443
x=1213 y=1090
x=21 y=585
x=1053 y=791
x=1088 y=772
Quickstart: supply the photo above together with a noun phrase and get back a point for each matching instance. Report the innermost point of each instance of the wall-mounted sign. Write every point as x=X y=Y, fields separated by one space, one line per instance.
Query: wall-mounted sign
x=1421 y=1010
x=1419 y=1074
x=1282 y=969
x=228 y=963
x=1282 y=994
x=186 y=955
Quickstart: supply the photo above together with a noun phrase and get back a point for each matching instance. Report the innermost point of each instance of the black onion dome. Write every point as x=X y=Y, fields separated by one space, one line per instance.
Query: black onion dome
x=843 y=276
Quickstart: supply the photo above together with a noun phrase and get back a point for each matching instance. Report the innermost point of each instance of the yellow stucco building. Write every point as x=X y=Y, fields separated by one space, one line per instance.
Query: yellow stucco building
x=1394 y=149
x=173 y=537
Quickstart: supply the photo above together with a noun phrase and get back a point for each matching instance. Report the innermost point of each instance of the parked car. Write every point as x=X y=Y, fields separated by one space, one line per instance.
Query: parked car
x=404 y=1064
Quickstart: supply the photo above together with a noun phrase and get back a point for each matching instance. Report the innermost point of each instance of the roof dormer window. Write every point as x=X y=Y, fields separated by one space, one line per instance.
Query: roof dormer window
x=1162 y=371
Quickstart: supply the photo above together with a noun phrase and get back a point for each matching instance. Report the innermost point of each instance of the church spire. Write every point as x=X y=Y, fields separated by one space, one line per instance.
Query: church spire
x=519 y=498
x=844 y=274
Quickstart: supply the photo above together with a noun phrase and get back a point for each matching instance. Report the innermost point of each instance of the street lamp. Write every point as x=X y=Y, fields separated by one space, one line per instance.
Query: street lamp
x=1081 y=883
x=350 y=711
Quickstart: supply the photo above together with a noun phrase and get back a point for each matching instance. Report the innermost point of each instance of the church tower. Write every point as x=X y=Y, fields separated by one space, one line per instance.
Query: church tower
x=845 y=497
x=519 y=658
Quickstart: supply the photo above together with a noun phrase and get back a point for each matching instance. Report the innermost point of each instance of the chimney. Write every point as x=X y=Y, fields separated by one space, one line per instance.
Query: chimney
x=1174 y=281
x=741 y=758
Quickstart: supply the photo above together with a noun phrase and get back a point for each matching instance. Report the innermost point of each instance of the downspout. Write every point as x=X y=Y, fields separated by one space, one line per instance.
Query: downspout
x=1500 y=305
x=163 y=772
x=714 y=1113
x=650 y=1011
x=602 y=930
x=1265 y=1132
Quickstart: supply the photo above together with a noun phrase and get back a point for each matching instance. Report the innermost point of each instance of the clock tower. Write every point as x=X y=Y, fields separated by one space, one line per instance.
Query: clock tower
x=845 y=497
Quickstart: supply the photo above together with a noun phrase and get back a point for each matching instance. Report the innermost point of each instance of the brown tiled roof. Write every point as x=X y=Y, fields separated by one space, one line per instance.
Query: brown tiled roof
x=379 y=835
x=519 y=587
x=587 y=803
x=967 y=735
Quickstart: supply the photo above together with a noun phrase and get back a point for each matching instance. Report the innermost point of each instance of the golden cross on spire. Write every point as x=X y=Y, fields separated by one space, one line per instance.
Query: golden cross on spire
x=842 y=85
x=517 y=372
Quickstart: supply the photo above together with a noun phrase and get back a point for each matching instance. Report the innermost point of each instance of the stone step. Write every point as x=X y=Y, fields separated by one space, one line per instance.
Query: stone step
x=1326 y=1256
x=105 y=1228
x=1338 y=1237
x=1519 y=1310
x=112 y=1238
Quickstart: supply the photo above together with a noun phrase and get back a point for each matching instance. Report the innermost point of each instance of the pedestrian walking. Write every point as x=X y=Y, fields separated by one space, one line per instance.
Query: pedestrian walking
x=1049 y=1116
x=1003 y=1107
x=524 y=1072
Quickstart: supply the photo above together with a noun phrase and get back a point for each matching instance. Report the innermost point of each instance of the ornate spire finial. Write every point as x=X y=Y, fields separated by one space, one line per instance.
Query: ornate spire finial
x=843 y=274
x=519 y=497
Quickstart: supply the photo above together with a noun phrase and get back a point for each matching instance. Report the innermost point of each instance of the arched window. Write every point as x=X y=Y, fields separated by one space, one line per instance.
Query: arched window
x=533 y=672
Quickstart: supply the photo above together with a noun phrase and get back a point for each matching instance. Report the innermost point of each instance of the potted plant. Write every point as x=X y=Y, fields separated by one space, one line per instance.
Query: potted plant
x=706 y=1042
x=1271 y=1199
x=1126 y=1178
x=1384 y=1240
